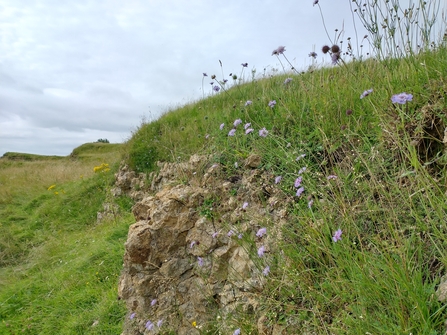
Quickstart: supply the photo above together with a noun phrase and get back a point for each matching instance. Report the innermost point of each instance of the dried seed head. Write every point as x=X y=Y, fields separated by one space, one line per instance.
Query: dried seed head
x=335 y=48
x=325 y=49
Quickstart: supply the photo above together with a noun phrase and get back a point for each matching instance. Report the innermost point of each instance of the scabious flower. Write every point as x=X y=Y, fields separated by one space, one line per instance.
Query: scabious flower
x=215 y=234
x=159 y=323
x=261 y=232
x=298 y=181
x=310 y=203
x=193 y=243
x=261 y=251
x=313 y=54
x=149 y=325
x=335 y=57
x=247 y=125
x=237 y=332
x=216 y=88
x=366 y=93
x=222 y=125
x=278 y=179
x=266 y=270
x=153 y=302
x=200 y=261
x=204 y=74
x=337 y=235
x=240 y=236
x=230 y=233
x=299 y=191
x=232 y=132
x=401 y=98
x=237 y=122
x=272 y=103
x=315 y=2
x=132 y=316
x=279 y=50
x=244 y=64
x=263 y=132
x=300 y=156
x=302 y=170
x=248 y=103
x=245 y=205
x=248 y=131
x=332 y=176
x=288 y=80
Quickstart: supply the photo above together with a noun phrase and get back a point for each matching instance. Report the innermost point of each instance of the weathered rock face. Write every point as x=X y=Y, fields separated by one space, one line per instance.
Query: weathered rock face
x=186 y=256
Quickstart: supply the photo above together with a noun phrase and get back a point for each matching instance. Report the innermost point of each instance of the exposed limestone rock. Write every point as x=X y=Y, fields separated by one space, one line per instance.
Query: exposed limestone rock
x=190 y=246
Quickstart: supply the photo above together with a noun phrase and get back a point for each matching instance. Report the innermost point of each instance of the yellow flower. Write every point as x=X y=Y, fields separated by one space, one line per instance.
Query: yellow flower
x=51 y=187
x=194 y=324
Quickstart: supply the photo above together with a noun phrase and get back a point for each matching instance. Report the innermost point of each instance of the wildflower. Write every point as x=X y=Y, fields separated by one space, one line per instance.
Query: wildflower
x=337 y=235
x=310 y=203
x=280 y=50
x=278 y=179
x=51 y=187
x=300 y=156
x=263 y=132
x=366 y=93
x=193 y=243
x=149 y=325
x=212 y=83
x=239 y=236
x=298 y=181
x=153 y=302
x=230 y=233
x=200 y=261
x=325 y=49
x=272 y=103
x=302 y=170
x=332 y=176
x=248 y=103
x=204 y=74
x=315 y=2
x=224 y=81
x=401 y=98
x=335 y=57
x=261 y=232
x=245 y=205
x=194 y=324
x=232 y=132
x=222 y=126
x=244 y=64
x=266 y=270
x=313 y=54
x=247 y=125
x=261 y=251
x=299 y=191
x=237 y=332
x=216 y=88
x=207 y=136
x=159 y=323
x=237 y=122
x=288 y=80
x=215 y=234
x=248 y=131
x=132 y=316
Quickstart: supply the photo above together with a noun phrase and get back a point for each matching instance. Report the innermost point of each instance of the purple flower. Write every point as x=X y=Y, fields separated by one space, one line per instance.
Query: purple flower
x=302 y=170
x=298 y=181
x=204 y=74
x=237 y=122
x=300 y=156
x=366 y=93
x=149 y=325
x=261 y=251
x=288 y=80
x=261 y=232
x=222 y=126
x=313 y=54
x=272 y=103
x=200 y=261
x=132 y=316
x=230 y=233
x=153 y=302
x=299 y=191
x=247 y=125
x=159 y=323
x=245 y=205
x=244 y=64
x=332 y=176
x=266 y=270
x=193 y=243
x=335 y=57
x=337 y=235
x=310 y=203
x=248 y=131
x=278 y=179
x=279 y=50
x=215 y=234
x=216 y=88
x=401 y=98
x=239 y=236
x=237 y=332
x=263 y=132
x=248 y=103
x=232 y=132
x=212 y=83
x=315 y=2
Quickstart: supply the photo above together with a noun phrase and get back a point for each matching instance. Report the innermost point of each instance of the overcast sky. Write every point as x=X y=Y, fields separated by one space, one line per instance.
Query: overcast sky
x=72 y=72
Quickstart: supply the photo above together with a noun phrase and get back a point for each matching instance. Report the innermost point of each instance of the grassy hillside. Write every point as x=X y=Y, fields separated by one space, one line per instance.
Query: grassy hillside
x=58 y=266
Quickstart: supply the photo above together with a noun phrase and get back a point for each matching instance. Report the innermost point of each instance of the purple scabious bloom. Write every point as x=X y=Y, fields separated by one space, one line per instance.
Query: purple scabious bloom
x=244 y=64
x=230 y=233
x=245 y=205
x=159 y=323
x=266 y=270
x=215 y=234
x=237 y=332
x=261 y=232
x=240 y=236
x=263 y=132
x=204 y=74
x=278 y=179
x=261 y=251
x=366 y=93
x=153 y=302
x=132 y=316
x=248 y=103
x=237 y=122
x=302 y=170
x=232 y=132
x=401 y=98
x=337 y=235
x=313 y=54
x=288 y=80
x=299 y=191
x=310 y=203
x=222 y=125
x=247 y=125
x=298 y=181
x=200 y=261
x=149 y=325
x=193 y=243
x=335 y=57
x=300 y=156
x=315 y=2
x=216 y=88
x=332 y=176
x=279 y=50
x=248 y=131
x=272 y=103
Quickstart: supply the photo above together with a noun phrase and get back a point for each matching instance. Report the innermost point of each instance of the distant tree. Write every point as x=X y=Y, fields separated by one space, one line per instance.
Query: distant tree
x=103 y=140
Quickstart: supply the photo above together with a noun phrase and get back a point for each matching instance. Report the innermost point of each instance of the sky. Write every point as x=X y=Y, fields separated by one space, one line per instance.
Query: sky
x=73 y=72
